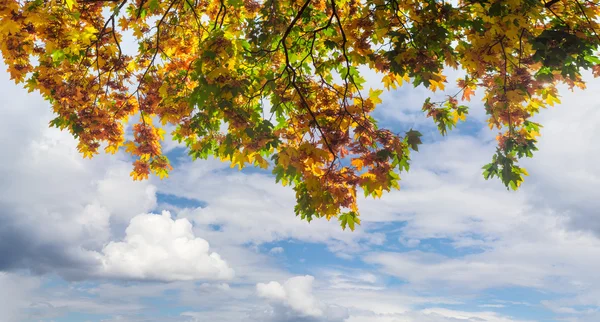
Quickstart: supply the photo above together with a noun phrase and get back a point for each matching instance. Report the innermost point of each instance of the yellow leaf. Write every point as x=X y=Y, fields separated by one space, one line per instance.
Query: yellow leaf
x=368 y=175
x=10 y=27
x=112 y=149
x=217 y=72
x=101 y=61
x=458 y=116
x=137 y=32
x=514 y=96
x=162 y=173
x=436 y=81
x=374 y=96
x=378 y=192
x=260 y=161
x=312 y=184
x=147 y=119
x=284 y=159
x=435 y=85
x=533 y=134
x=316 y=170
x=550 y=100
x=169 y=51
x=161 y=133
x=123 y=23
x=358 y=163
x=512 y=32
x=163 y=90
x=132 y=66
x=70 y=3
x=130 y=147
x=389 y=81
x=405 y=78
x=227 y=95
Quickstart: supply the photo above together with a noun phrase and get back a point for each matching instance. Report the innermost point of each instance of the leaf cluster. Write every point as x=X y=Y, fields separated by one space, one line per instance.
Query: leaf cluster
x=277 y=84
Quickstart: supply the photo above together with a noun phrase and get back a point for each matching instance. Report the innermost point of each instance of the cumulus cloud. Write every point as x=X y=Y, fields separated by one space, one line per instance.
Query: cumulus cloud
x=272 y=291
x=296 y=292
x=160 y=248
x=294 y=301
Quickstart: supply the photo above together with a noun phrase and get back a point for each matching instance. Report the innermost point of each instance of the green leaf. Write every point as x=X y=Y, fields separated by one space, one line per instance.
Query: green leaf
x=349 y=219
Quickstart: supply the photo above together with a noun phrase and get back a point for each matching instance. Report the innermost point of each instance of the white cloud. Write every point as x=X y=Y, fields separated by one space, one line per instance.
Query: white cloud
x=272 y=291
x=294 y=301
x=276 y=250
x=160 y=248
x=296 y=293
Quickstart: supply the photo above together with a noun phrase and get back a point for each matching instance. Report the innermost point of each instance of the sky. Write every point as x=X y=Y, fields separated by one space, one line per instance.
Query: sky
x=80 y=241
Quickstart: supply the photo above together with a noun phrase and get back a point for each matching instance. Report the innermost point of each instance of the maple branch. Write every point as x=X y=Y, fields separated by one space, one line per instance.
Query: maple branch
x=294 y=75
x=139 y=12
x=550 y=3
x=221 y=9
x=587 y=18
x=99 y=37
x=196 y=17
x=521 y=46
x=160 y=22
x=115 y=38
x=347 y=76
x=510 y=125
x=410 y=37
x=293 y=23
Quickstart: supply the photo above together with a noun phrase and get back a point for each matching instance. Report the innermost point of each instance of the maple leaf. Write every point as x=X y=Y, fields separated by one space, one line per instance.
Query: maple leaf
x=70 y=3
x=467 y=93
x=389 y=81
x=456 y=115
x=413 y=139
x=10 y=27
x=374 y=96
x=357 y=163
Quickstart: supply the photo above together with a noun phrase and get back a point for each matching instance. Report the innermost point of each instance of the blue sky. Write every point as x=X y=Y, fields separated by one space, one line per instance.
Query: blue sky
x=79 y=241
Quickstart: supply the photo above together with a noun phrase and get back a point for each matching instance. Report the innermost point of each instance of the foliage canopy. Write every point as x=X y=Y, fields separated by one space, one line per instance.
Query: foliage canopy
x=276 y=83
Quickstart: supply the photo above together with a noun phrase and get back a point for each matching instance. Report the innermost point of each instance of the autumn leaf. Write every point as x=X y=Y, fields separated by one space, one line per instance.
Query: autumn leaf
x=10 y=27
x=374 y=96
x=357 y=163
x=413 y=139
x=457 y=115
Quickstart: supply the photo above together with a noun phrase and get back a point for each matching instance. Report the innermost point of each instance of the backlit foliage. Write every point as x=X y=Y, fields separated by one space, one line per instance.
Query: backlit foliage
x=276 y=83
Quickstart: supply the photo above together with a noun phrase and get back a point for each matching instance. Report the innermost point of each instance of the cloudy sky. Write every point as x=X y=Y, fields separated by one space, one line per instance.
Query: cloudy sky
x=79 y=241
